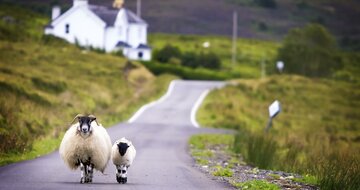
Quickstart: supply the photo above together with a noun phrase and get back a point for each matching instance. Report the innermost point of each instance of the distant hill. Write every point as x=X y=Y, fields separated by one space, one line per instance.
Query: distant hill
x=215 y=16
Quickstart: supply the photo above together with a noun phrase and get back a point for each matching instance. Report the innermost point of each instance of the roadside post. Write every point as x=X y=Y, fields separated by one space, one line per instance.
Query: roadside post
x=274 y=110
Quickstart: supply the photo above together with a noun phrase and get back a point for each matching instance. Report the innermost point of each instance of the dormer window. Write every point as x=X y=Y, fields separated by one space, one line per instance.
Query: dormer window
x=67 y=28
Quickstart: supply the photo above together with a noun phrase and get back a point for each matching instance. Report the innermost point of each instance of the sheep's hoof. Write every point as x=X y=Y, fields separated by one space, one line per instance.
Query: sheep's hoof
x=121 y=180
x=88 y=179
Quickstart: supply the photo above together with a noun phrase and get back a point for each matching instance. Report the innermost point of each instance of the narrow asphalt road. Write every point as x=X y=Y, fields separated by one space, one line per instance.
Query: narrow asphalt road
x=159 y=132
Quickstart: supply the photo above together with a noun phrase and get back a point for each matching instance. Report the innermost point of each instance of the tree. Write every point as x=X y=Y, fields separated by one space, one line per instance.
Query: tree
x=166 y=53
x=310 y=51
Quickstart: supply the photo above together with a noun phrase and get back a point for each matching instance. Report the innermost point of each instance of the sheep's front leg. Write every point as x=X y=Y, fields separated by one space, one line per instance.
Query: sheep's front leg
x=83 y=174
x=90 y=172
x=121 y=174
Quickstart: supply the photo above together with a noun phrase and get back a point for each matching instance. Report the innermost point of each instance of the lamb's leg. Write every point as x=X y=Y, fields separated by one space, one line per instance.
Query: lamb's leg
x=82 y=168
x=124 y=173
x=118 y=174
x=121 y=175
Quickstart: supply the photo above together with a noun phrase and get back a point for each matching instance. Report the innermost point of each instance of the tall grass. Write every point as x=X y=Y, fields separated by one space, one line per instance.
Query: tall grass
x=258 y=149
x=339 y=169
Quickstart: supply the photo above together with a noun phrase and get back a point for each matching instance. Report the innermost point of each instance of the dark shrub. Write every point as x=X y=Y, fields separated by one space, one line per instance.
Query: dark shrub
x=189 y=59
x=209 y=60
x=206 y=60
x=166 y=53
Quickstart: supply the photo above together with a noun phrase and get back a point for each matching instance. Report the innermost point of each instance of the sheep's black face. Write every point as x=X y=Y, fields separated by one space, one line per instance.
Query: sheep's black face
x=122 y=148
x=85 y=124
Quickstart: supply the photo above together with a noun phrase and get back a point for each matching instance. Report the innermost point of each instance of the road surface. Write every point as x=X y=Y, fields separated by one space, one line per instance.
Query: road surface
x=159 y=132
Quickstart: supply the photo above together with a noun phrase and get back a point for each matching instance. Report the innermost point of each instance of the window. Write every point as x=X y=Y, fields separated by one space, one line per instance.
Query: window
x=140 y=55
x=67 y=28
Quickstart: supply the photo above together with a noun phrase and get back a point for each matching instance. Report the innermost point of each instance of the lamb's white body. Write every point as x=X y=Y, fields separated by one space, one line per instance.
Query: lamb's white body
x=122 y=162
x=94 y=148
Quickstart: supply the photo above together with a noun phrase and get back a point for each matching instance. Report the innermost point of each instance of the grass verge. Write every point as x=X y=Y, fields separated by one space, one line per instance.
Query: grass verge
x=256 y=184
x=318 y=126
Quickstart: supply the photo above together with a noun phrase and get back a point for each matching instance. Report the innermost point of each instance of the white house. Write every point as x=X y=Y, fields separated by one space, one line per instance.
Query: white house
x=101 y=27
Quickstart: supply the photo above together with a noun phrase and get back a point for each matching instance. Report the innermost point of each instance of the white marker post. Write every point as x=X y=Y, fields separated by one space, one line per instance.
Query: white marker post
x=274 y=110
x=206 y=44
x=280 y=66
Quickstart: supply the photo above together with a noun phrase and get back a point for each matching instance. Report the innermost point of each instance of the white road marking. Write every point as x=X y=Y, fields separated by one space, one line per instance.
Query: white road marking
x=151 y=104
x=196 y=107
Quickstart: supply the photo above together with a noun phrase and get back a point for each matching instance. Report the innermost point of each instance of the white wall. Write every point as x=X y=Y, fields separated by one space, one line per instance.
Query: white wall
x=110 y=38
x=137 y=34
x=82 y=27
x=133 y=54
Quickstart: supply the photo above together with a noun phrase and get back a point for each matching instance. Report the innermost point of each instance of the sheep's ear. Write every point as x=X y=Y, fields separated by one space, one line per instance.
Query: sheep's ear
x=76 y=117
x=93 y=118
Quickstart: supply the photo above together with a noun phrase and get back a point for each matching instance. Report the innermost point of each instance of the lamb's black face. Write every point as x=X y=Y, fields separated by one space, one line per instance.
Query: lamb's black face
x=85 y=124
x=122 y=148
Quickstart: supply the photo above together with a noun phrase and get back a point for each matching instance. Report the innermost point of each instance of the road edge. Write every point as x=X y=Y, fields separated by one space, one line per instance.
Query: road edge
x=153 y=103
x=196 y=107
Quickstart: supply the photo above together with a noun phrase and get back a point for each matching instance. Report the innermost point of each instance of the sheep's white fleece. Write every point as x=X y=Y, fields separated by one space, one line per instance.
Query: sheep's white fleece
x=96 y=146
x=128 y=157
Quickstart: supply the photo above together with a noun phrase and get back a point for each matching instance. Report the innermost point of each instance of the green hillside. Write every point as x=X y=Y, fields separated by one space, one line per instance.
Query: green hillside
x=317 y=131
x=45 y=82
x=329 y=109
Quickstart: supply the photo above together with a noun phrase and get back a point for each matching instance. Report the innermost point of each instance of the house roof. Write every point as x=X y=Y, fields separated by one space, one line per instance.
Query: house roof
x=122 y=44
x=109 y=15
x=133 y=18
x=143 y=46
x=105 y=14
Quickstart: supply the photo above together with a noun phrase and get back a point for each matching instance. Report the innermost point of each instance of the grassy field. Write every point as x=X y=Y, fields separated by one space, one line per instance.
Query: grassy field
x=319 y=122
x=250 y=53
x=320 y=107
x=45 y=82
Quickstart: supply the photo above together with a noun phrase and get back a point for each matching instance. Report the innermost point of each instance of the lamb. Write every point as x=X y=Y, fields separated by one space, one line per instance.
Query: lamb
x=86 y=144
x=122 y=155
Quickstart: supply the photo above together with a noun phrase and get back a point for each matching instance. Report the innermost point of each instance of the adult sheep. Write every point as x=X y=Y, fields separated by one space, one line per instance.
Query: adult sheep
x=86 y=144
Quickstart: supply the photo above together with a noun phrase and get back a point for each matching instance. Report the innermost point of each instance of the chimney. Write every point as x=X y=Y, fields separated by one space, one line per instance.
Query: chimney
x=56 y=11
x=118 y=4
x=80 y=3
